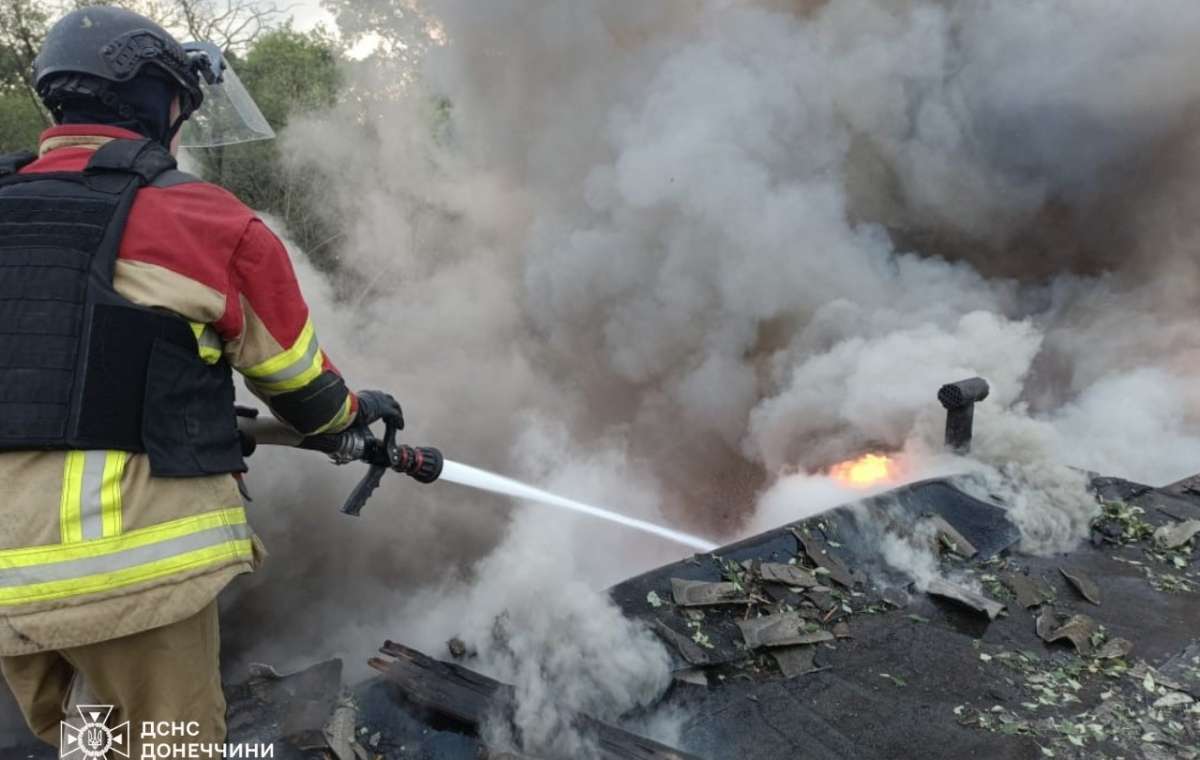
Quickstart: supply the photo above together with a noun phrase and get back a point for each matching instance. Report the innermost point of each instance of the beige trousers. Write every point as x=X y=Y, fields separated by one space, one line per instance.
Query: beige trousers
x=167 y=674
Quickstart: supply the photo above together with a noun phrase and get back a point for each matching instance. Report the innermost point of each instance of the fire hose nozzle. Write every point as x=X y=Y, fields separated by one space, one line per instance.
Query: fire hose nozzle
x=422 y=463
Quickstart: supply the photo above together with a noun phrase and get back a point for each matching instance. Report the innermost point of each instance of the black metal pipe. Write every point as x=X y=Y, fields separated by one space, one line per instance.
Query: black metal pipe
x=959 y=401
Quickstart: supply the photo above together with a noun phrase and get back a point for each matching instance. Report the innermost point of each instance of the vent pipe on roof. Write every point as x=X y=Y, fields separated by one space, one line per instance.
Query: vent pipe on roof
x=959 y=400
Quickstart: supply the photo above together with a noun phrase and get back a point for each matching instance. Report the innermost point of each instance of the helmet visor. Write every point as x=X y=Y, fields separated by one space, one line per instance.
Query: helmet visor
x=228 y=114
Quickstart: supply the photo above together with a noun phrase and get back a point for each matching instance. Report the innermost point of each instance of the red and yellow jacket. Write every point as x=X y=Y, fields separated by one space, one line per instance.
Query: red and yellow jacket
x=194 y=249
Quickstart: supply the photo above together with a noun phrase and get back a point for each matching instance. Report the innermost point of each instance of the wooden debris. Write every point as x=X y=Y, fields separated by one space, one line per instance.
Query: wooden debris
x=1030 y=592
x=340 y=735
x=819 y=554
x=703 y=593
x=467 y=698
x=791 y=575
x=1086 y=587
x=1175 y=535
x=977 y=602
x=786 y=629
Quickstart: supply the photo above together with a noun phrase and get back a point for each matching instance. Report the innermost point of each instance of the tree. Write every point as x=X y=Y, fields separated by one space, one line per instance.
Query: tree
x=402 y=30
x=288 y=73
x=22 y=26
x=21 y=121
x=233 y=25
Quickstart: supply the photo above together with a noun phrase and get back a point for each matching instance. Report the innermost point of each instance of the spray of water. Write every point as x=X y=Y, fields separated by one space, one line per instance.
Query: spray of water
x=474 y=477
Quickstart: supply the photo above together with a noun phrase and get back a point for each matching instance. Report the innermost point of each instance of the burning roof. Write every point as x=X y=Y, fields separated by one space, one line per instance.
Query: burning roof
x=907 y=623
x=809 y=640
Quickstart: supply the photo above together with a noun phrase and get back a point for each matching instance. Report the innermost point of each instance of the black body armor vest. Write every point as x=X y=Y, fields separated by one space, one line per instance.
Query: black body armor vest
x=82 y=367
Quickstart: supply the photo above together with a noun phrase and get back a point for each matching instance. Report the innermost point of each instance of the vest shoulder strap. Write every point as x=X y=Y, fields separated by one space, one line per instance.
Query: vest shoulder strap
x=14 y=162
x=144 y=158
x=173 y=177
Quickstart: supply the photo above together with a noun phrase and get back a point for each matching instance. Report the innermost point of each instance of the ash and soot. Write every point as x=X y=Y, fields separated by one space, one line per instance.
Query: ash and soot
x=682 y=258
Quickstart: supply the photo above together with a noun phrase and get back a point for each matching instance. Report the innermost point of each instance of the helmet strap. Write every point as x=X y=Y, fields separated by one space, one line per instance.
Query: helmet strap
x=175 y=127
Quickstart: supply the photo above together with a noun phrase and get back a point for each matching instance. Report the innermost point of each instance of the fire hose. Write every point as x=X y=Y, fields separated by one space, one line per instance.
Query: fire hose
x=356 y=444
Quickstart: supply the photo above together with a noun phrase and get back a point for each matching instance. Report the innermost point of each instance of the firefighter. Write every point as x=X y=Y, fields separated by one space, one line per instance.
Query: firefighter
x=128 y=292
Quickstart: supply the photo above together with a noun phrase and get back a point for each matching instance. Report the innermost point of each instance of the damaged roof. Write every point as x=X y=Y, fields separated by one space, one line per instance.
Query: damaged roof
x=1095 y=653
x=803 y=642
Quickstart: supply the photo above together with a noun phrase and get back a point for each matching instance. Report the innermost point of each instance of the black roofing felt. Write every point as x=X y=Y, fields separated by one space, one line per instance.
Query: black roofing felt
x=929 y=678
x=935 y=679
x=919 y=676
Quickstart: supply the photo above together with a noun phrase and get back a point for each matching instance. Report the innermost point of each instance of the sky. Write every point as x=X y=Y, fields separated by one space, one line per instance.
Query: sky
x=309 y=13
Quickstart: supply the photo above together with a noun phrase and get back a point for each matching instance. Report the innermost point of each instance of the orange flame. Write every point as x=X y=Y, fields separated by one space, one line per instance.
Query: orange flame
x=866 y=471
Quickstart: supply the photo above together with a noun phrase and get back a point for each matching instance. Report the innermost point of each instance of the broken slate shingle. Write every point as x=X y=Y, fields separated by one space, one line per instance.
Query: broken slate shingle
x=792 y=575
x=818 y=552
x=786 y=629
x=1184 y=670
x=947 y=535
x=1077 y=629
x=781 y=594
x=1030 y=592
x=688 y=649
x=977 y=602
x=702 y=593
x=795 y=661
x=694 y=676
x=1086 y=587
x=1175 y=535
x=896 y=597
x=821 y=598
x=1113 y=648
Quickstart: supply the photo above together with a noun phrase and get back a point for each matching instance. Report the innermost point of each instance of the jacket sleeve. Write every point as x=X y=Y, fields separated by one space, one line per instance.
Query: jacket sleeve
x=269 y=337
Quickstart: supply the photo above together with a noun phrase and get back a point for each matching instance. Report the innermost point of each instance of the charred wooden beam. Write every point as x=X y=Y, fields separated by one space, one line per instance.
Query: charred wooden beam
x=465 y=697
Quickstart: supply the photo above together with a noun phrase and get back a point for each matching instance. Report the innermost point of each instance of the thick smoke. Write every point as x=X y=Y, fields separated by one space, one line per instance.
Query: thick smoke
x=674 y=257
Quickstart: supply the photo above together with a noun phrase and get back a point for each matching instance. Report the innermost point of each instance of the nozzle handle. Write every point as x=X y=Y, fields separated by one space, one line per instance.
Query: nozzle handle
x=364 y=489
x=380 y=459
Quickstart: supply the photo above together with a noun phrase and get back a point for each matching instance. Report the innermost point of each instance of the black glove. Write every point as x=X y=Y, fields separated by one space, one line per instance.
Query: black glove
x=377 y=405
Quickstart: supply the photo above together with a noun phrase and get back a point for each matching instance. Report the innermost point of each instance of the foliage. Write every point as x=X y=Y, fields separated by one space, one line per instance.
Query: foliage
x=292 y=72
x=22 y=25
x=288 y=73
x=232 y=25
x=402 y=29
x=21 y=120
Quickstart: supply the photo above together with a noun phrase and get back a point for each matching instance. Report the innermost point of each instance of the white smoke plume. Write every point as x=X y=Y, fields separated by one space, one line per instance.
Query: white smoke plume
x=675 y=257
